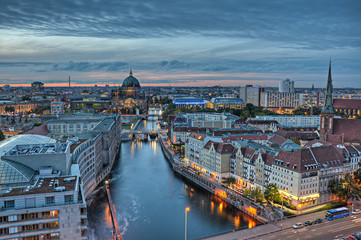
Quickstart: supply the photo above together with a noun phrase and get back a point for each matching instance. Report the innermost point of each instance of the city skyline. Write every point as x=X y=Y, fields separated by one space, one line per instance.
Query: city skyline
x=190 y=43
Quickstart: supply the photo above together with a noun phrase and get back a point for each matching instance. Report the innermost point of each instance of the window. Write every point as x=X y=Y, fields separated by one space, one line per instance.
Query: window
x=68 y=198
x=49 y=200
x=10 y=204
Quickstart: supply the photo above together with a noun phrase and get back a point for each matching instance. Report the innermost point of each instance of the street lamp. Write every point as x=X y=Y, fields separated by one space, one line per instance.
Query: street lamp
x=185 y=227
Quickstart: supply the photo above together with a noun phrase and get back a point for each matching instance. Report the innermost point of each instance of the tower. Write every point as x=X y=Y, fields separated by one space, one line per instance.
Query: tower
x=69 y=81
x=327 y=112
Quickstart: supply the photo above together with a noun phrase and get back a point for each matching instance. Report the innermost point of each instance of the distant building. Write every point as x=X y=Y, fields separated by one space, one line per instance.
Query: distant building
x=350 y=107
x=227 y=103
x=37 y=87
x=292 y=120
x=337 y=131
x=57 y=108
x=189 y=103
x=129 y=96
x=281 y=99
x=251 y=94
x=287 y=86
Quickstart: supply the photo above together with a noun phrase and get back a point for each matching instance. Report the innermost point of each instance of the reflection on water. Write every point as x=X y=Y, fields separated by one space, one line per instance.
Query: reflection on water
x=150 y=200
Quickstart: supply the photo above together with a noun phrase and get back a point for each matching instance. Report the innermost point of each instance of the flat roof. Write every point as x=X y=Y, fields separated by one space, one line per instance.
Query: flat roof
x=43 y=185
x=31 y=149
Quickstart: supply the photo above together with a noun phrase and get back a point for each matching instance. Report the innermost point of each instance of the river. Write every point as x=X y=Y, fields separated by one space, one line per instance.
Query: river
x=151 y=199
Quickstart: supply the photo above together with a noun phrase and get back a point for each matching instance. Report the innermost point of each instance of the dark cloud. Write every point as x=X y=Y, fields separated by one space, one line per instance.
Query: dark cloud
x=90 y=66
x=311 y=24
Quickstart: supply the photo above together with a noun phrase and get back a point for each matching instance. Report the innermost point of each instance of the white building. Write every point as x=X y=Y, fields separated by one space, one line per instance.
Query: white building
x=57 y=108
x=287 y=86
x=52 y=208
x=281 y=99
x=293 y=120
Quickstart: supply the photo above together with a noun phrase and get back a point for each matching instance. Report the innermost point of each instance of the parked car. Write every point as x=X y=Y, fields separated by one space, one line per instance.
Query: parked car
x=357 y=235
x=318 y=220
x=298 y=225
x=307 y=223
x=350 y=237
x=356 y=211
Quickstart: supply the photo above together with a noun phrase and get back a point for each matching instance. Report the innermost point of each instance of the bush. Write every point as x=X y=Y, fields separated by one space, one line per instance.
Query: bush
x=286 y=204
x=331 y=206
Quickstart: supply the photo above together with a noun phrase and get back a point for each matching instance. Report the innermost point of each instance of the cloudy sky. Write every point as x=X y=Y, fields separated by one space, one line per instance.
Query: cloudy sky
x=186 y=43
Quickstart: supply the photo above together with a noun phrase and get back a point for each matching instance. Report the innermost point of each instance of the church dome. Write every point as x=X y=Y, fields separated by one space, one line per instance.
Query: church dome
x=131 y=81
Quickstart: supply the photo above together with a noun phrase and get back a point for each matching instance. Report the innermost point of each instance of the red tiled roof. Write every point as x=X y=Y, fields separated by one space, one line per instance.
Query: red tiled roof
x=197 y=136
x=277 y=139
x=347 y=103
x=297 y=134
x=220 y=147
x=311 y=157
x=348 y=129
x=39 y=130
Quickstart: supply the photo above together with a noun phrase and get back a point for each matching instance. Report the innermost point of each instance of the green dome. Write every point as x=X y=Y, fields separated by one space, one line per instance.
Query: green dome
x=131 y=81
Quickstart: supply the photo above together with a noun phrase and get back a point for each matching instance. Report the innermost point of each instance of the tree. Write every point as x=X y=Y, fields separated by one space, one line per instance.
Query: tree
x=230 y=180
x=346 y=188
x=247 y=192
x=357 y=174
x=2 y=136
x=249 y=110
x=257 y=194
x=271 y=193
x=9 y=109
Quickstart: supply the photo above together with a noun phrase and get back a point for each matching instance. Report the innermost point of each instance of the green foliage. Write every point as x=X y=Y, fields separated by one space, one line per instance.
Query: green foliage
x=286 y=204
x=346 y=188
x=307 y=111
x=230 y=180
x=271 y=193
x=357 y=174
x=2 y=136
x=331 y=206
x=247 y=192
x=9 y=109
x=25 y=98
x=257 y=194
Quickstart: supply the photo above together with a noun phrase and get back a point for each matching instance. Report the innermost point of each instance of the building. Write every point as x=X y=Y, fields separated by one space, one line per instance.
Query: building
x=316 y=99
x=287 y=86
x=210 y=120
x=37 y=156
x=292 y=120
x=251 y=94
x=227 y=103
x=51 y=208
x=37 y=87
x=281 y=100
x=350 y=107
x=57 y=108
x=189 y=103
x=90 y=104
x=71 y=125
x=15 y=173
x=337 y=130
x=129 y=96
x=216 y=159
x=95 y=152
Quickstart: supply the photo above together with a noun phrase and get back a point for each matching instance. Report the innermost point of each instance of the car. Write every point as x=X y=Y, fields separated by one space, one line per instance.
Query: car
x=350 y=237
x=318 y=220
x=357 y=235
x=298 y=225
x=307 y=223
x=356 y=211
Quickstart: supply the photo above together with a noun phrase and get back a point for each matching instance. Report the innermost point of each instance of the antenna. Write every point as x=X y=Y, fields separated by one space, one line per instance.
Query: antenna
x=69 y=81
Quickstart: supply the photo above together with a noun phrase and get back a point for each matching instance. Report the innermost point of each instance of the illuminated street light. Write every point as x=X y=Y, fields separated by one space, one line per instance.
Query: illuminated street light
x=185 y=232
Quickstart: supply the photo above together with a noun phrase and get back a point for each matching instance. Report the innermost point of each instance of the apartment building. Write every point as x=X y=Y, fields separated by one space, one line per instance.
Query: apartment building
x=95 y=152
x=52 y=208
x=292 y=120
x=216 y=159
x=281 y=99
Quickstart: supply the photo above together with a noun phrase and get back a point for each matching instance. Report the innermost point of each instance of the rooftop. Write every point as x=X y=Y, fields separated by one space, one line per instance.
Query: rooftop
x=43 y=185
x=31 y=149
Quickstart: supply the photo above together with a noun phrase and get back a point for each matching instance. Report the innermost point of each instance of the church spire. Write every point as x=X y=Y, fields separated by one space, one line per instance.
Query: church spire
x=328 y=107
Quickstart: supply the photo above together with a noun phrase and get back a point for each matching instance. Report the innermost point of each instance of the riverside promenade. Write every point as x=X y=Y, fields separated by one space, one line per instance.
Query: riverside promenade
x=255 y=211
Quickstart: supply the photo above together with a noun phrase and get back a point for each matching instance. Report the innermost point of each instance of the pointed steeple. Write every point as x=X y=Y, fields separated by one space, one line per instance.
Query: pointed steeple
x=130 y=72
x=328 y=107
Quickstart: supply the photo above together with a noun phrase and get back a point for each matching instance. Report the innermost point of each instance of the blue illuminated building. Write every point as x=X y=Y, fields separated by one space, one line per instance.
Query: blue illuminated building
x=189 y=102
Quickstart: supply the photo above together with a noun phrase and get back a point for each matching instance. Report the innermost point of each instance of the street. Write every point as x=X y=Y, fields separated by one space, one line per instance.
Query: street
x=335 y=229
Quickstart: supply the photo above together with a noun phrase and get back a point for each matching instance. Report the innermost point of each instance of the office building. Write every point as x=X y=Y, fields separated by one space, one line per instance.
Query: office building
x=287 y=86
x=251 y=94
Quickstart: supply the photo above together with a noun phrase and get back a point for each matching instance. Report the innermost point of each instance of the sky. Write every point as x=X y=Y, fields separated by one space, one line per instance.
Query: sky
x=180 y=43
